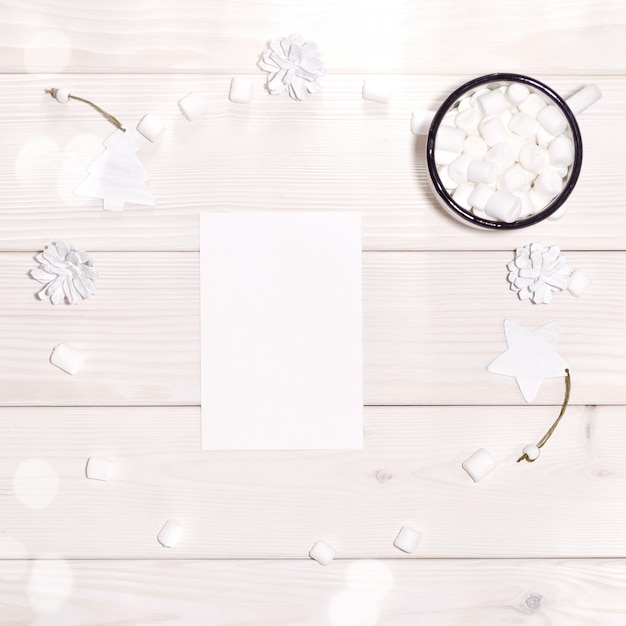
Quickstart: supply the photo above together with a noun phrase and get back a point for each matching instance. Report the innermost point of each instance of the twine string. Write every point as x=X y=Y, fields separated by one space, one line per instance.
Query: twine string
x=107 y=116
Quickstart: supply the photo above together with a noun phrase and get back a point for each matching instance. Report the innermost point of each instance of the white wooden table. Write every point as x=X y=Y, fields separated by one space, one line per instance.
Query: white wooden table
x=532 y=544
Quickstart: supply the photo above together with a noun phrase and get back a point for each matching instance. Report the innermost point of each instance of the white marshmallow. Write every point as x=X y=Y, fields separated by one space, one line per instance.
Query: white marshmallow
x=67 y=358
x=322 y=553
x=468 y=121
x=538 y=202
x=480 y=196
x=534 y=158
x=561 y=151
x=481 y=172
x=492 y=130
x=516 y=143
x=62 y=96
x=532 y=452
x=150 y=126
x=170 y=534
x=548 y=185
x=532 y=104
x=475 y=147
x=528 y=208
x=240 y=90
x=504 y=206
x=584 y=98
x=514 y=178
x=445 y=157
x=421 y=121
x=99 y=469
x=523 y=125
x=479 y=465
x=407 y=539
x=543 y=137
x=446 y=180
x=458 y=168
x=450 y=138
x=192 y=106
x=377 y=90
x=464 y=104
x=492 y=103
x=516 y=93
x=578 y=283
x=501 y=155
x=478 y=93
x=552 y=119
x=462 y=193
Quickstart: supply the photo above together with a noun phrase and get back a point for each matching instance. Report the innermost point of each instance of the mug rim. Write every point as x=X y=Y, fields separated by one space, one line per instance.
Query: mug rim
x=454 y=207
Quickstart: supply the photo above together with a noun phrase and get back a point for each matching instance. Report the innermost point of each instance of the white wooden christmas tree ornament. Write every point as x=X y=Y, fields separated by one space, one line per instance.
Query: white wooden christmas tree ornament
x=117 y=175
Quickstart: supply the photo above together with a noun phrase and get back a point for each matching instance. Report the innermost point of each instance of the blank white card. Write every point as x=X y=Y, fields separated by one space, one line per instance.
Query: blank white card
x=282 y=364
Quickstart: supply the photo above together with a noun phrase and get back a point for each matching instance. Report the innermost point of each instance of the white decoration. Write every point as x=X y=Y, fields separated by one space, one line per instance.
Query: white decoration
x=322 y=553
x=67 y=358
x=531 y=357
x=99 y=469
x=294 y=65
x=117 y=175
x=407 y=539
x=67 y=273
x=61 y=95
x=170 y=534
x=479 y=465
x=532 y=452
x=537 y=272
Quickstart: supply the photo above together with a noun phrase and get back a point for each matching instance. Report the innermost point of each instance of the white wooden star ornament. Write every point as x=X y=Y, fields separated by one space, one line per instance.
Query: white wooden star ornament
x=531 y=357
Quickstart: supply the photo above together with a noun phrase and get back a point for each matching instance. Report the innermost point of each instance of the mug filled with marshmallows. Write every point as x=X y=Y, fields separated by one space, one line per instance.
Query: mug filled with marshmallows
x=504 y=151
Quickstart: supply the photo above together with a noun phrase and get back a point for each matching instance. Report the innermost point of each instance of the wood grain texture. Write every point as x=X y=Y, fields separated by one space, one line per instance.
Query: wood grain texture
x=259 y=593
x=237 y=505
x=433 y=321
x=397 y=36
x=333 y=152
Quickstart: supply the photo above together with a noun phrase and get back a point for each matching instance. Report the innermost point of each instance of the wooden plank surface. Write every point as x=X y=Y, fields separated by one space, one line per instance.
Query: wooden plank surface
x=397 y=36
x=260 y=593
x=332 y=152
x=433 y=321
x=237 y=505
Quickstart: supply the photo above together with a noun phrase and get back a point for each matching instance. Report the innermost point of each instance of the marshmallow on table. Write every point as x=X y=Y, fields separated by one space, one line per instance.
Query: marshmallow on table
x=578 y=283
x=420 y=122
x=322 y=553
x=532 y=452
x=192 y=106
x=170 y=534
x=67 y=358
x=99 y=469
x=503 y=206
x=150 y=126
x=407 y=539
x=584 y=98
x=479 y=465
x=240 y=90
x=62 y=96
x=377 y=89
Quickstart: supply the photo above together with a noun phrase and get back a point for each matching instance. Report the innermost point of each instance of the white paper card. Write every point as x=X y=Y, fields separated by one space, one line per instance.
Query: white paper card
x=281 y=331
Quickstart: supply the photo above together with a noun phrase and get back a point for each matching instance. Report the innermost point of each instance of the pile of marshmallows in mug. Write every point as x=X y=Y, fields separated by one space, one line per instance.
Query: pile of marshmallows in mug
x=504 y=153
